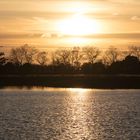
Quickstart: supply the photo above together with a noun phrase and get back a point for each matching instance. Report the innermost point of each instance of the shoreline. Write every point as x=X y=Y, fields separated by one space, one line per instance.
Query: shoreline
x=73 y=81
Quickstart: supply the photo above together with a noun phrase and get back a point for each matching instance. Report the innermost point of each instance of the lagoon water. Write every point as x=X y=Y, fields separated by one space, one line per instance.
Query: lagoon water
x=69 y=114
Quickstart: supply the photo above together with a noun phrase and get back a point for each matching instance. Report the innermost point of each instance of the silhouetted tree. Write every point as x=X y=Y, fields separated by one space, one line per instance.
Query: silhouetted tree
x=61 y=57
x=131 y=65
x=135 y=51
x=2 y=58
x=110 y=56
x=23 y=54
x=76 y=57
x=42 y=58
x=91 y=54
x=16 y=56
x=70 y=61
x=29 y=53
x=96 y=68
x=116 y=68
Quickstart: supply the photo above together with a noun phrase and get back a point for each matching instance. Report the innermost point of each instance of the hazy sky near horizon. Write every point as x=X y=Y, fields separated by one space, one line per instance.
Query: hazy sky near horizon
x=39 y=21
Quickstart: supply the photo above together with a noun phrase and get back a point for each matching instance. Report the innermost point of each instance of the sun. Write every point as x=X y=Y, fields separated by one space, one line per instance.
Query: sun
x=79 y=25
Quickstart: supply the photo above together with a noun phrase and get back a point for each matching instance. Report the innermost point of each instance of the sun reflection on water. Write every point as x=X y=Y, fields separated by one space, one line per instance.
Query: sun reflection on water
x=77 y=110
x=78 y=90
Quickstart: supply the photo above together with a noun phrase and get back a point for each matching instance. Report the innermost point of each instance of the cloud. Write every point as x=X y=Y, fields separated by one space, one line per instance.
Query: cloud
x=111 y=35
x=50 y=35
x=112 y=16
x=135 y=18
x=46 y=16
x=18 y=36
x=54 y=35
x=38 y=15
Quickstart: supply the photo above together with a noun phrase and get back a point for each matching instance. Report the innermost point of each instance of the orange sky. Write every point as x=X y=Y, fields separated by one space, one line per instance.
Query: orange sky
x=62 y=22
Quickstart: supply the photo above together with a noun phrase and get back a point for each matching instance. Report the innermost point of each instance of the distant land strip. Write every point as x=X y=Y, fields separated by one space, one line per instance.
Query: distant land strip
x=73 y=81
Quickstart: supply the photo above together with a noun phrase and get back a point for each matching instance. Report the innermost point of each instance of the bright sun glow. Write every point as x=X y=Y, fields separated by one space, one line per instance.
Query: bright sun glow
x=78 y=90
x=79 y=25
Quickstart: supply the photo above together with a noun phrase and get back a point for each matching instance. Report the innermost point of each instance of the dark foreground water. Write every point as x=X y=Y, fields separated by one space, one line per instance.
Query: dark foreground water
x=69 y=114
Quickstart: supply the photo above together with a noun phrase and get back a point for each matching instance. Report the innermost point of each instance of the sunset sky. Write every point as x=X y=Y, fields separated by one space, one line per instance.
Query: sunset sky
x=69 y=22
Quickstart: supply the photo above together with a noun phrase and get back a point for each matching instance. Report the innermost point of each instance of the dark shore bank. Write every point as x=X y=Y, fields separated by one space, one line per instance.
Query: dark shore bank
x=71 y=81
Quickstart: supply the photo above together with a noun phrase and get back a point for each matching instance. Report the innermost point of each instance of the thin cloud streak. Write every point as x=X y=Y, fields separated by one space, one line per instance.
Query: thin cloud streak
x=60 y=15
x=100 y=36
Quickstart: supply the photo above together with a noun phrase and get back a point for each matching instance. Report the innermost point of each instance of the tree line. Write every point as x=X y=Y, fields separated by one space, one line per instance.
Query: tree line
x=87 y=60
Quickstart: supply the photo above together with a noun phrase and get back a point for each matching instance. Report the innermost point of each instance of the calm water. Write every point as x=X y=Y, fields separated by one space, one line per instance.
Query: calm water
x=69 y=114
